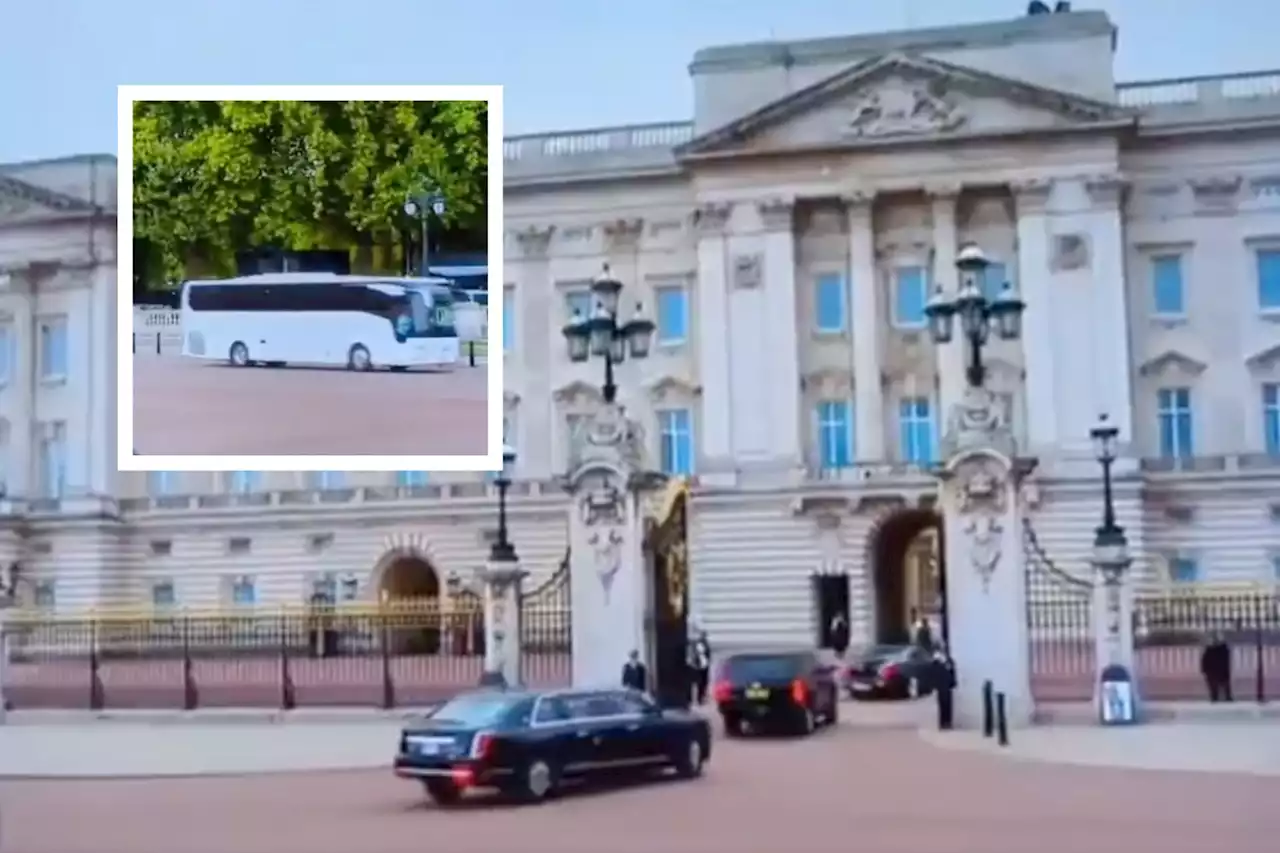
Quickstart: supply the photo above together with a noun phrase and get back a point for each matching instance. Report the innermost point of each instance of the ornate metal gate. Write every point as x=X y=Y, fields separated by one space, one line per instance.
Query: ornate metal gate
x=546 y=631
x=667 y=549
x=1059 y=627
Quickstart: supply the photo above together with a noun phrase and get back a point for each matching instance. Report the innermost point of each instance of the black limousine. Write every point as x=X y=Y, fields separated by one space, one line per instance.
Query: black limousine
x=528 y=744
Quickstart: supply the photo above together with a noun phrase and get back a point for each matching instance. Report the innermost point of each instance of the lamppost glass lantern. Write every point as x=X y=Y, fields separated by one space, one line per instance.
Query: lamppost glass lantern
x=411 y=208
x=638 y=333
x=1006 y=310
x=971 y=306
x=606 y=289
x=1104 y=437
x=508 y=461
x=577 y=333
x=941 y=314
x=602 y=329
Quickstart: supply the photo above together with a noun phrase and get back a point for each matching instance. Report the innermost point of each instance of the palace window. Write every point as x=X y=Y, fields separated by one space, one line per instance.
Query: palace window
x=326 y=480
x=1173 y=411
x=675 y=427
x=243 y=482
x=1184 y=570
x=910 y=295
x=1271 y=417
x=162 y=482
x=411 y=478
x=829 y=303
x=1168 y=297
x=244 y=591
x=53 y=348
x=578 y=303
x=1269 y=279
x=673 y=314
x=917 y=431
x=835 y=433
x=508 y=318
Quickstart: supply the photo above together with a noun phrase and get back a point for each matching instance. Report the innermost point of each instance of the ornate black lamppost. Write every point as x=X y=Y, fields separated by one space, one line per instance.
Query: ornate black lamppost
x=978 y=315
x=604 y=336
x=1110 y=547
x=421 y=207
x=502 y=551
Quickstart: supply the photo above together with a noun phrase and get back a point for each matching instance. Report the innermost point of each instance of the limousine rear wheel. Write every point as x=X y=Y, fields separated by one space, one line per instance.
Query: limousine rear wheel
x=358 y=358
x=442 y=791
x=239 y=354
x=689 y=760
x=538 y=781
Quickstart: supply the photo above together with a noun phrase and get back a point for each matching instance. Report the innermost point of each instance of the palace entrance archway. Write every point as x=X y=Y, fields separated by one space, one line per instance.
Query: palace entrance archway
x=909 y=574
x=410 y=587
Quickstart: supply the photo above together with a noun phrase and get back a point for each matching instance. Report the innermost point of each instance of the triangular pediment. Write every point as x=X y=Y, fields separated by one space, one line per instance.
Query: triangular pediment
x=1265 y=359
x=901 y=97
x=577 y=390
x=22 y=202
x=668 y=385
x=1172 y=361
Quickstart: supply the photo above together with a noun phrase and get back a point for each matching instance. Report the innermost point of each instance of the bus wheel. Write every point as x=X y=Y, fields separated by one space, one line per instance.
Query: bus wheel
x=358 y=358
x=239 y=355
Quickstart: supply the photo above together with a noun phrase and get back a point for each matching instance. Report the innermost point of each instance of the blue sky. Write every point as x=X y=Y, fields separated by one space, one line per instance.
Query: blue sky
x=565 y=63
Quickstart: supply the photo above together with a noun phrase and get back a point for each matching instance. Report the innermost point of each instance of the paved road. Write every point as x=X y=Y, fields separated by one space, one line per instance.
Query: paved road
x=853 y=788
x=1252 y=747
x=185 y=407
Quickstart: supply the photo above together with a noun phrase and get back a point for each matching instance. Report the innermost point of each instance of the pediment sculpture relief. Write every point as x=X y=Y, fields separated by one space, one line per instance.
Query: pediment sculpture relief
x=903 y=109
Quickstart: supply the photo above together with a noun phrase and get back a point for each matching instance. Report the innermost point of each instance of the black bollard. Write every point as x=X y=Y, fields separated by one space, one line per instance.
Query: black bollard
x=135 y=342
x=158 y=352
x=1002 y=722
x=471 y=353
x=988 y=709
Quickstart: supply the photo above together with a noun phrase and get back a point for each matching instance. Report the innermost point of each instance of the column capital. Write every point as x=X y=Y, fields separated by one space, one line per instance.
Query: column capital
x=533 y=240
x=1031 y=195
x=623 y=233
x=711 y=217
x=1105 y=190
x=858 y=200
x=944 y=192
x=776 y=213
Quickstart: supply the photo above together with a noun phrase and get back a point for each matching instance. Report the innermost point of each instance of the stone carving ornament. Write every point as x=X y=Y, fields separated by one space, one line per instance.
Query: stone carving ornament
x=903 y=110
x=608 y=436
x=606 y=545
x=748 y=271
x=983 y=504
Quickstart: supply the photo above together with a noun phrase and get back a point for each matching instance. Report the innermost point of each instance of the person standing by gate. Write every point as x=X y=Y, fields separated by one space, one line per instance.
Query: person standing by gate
x=942 y=672
x=838 y=634
x=700 y=666
x=635 y=676
x=1215 y=666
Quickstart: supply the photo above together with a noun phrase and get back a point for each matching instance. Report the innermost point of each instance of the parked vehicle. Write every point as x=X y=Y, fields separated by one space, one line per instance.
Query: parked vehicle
x=890 y=672
x=529 y=744
x=794 y=691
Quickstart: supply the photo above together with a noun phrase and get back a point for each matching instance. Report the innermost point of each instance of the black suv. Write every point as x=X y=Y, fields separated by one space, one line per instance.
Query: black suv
x=794 y=691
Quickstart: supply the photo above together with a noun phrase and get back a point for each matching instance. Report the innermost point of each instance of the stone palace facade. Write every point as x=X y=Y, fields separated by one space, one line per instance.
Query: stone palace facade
x=785 y=240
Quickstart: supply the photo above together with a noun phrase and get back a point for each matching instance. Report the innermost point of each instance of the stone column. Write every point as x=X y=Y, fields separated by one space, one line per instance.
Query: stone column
x=864 y=288
x=711 y=312
x=1034 y=278
x=982 y=512
x=1110 y=313
x=500 y=580
x=529 y=367
x=607 y=483
x=951 y=357
x=783 y=364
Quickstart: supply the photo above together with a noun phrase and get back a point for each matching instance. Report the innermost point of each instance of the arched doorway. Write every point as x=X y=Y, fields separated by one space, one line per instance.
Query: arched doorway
x=409 y=584
x=909 y=574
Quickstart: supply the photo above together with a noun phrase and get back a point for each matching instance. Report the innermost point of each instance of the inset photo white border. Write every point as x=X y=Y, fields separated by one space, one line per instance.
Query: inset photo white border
x=131 y=461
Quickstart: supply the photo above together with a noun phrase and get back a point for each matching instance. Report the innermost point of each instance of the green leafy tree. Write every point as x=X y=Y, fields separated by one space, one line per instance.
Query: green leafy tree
x=215 y=178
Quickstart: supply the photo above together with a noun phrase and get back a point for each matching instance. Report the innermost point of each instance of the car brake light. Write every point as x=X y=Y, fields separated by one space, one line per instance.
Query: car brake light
x=463 y=777
x=889 y=671
x=482 y=746
x=722 y=692
x=800 y=692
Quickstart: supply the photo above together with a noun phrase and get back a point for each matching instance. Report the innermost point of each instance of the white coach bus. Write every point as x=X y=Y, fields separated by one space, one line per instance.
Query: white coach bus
x=362 y=322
